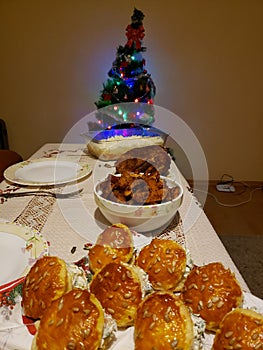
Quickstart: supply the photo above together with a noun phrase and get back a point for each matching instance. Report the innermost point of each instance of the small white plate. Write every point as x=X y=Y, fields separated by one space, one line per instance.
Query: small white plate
x=20 y=246
x=46 y=172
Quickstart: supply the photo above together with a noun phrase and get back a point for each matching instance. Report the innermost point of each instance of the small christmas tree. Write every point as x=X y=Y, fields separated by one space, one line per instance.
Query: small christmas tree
x=128 y=82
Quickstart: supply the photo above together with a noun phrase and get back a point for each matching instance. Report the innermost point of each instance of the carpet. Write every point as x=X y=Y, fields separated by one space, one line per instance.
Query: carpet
x=247 y=254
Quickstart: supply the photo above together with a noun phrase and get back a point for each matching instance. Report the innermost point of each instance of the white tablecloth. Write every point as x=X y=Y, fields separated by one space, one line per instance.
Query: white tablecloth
x=68 y=224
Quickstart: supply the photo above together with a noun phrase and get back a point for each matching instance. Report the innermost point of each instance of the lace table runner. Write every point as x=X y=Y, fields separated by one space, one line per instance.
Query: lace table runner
x=37 y=211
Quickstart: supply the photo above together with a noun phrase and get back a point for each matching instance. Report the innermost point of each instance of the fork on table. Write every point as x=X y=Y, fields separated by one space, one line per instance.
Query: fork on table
x=42 y=193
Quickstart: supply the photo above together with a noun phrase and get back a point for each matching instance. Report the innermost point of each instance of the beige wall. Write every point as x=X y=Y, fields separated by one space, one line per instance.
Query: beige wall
x=206 y=58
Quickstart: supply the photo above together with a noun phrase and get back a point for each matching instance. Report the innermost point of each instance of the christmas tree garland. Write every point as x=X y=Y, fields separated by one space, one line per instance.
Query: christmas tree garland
x=128 y=82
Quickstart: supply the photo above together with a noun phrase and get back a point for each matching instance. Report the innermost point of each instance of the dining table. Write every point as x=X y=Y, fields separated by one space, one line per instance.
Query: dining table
x=66 y=226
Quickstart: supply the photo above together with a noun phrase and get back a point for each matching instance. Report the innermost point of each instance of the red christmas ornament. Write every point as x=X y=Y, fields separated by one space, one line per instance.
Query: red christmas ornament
x=124 y=64
x=134 y=35
x=106 y=97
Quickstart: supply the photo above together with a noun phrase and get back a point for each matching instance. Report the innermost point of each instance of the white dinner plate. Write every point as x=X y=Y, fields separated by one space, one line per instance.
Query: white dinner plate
x=45 y=172
x=20 y=246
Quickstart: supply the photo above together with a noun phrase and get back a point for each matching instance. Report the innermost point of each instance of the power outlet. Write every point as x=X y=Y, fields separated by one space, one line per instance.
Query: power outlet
x=225 y=188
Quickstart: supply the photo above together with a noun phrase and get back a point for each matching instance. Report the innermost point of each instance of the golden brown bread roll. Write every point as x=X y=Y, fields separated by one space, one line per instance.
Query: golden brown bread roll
x=73 y=322
x=212 y=291
x=119 y=289
x=163 y=322
x=47 y=280
x=115 y=243
x=149 y=159
x=164 y=261
x=240 y=329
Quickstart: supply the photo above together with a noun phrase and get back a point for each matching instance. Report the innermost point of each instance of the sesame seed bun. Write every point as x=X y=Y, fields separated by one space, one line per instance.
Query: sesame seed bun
x=115 y=243
x=212 y=291
x=74 y=322
x=163 y=322
x=240 y=329
x=164 y=261
x=119 y=290
x=47 y=280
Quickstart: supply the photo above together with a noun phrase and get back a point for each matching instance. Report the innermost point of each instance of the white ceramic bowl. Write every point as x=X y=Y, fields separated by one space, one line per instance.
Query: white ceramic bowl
x=141 y=218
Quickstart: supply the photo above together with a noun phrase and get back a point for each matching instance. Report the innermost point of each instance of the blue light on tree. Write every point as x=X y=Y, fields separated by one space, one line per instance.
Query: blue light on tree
x=128 y=81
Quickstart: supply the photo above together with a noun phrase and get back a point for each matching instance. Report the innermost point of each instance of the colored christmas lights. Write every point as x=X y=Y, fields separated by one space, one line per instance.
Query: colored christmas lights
x=128 y=81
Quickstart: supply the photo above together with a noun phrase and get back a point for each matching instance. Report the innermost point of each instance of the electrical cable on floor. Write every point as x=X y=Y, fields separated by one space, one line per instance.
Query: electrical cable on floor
x=236 y=204
x=232 y=205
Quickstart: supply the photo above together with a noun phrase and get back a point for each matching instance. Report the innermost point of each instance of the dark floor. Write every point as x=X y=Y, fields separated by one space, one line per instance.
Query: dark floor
x=247 y=253
x=240 y=228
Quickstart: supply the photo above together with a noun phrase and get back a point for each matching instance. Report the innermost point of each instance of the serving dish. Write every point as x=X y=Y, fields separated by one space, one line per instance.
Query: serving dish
x=111 y=143
x=20 y=246
x=46 y=172
x=141 y=218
